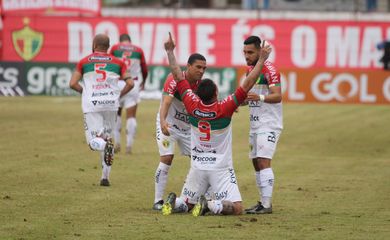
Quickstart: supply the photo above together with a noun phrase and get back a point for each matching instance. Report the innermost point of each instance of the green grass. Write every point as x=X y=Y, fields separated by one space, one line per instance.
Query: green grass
x=332 y=172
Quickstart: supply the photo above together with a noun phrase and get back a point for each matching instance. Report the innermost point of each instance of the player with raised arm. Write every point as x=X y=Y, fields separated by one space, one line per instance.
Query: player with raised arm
x=266 y=123
x=134 y=58
x=172 y=124
x=211 y=143
x=96 y=77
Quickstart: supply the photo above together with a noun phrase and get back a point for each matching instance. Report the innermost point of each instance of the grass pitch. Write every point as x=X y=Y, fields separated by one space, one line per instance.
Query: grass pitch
x=332 y=169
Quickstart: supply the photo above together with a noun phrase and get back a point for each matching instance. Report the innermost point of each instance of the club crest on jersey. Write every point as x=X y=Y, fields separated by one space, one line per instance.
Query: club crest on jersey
x=100 y=58
x=166 y=143
x=27 y=41
x=202 y=114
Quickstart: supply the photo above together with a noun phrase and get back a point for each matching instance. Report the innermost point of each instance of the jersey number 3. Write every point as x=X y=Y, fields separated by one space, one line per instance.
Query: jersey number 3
x=98 y=70
x=204 y=127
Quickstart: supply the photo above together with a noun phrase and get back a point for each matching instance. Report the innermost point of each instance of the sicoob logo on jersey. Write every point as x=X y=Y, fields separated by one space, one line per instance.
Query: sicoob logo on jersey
x=201 y=114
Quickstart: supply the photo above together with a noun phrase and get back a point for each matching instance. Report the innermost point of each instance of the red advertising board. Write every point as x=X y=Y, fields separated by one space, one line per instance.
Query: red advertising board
x=296 y=44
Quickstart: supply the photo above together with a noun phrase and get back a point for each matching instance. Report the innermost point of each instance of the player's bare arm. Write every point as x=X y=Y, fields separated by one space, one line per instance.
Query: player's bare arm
x=165 y=105
x=74 y=82
x=129 y=85
x=274 y=96
x=250 y=80
x=169 y=46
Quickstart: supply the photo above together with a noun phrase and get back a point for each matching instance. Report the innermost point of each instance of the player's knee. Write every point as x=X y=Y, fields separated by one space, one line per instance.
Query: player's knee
x=238 y=208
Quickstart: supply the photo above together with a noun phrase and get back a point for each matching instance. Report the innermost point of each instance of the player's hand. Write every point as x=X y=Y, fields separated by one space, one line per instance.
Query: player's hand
x=169 y=45
x=264 y=51
x=252 y=97
x=165 y=128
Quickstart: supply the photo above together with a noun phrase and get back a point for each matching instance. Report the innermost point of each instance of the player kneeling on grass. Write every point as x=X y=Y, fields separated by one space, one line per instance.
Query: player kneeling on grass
x=211 y=143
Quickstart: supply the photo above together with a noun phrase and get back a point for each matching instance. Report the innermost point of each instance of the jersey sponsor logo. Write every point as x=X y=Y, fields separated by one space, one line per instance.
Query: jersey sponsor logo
x=182 y=117
x=197 y=150
x=254 y=118
x=101 y=86
x=202 y=114
x=103 y=102
x=271 y=137
x=254 y=103
x=232 y=176
x=101 y=94
x=100 y=58
x=204 y=159
x=221 y=195
x=189 y=193
x=27 y=41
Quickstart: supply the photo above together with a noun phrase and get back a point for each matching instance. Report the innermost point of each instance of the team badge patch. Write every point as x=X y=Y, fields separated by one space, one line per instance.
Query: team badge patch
x=166 y=143
x=27 y=42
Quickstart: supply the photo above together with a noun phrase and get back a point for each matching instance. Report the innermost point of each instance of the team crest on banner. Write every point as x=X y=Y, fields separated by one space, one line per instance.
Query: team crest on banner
x=27 y=42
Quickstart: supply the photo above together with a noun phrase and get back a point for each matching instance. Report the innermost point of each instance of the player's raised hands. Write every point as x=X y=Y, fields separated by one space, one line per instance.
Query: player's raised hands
x=169 y=45
x=264 y=51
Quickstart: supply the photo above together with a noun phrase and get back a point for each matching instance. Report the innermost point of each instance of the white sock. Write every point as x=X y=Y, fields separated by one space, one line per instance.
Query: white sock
x=117 y=130
x=131 y=127
x=267 y=185
x=215 y=206
x=258 y=184
x=180 y=206
x=160 y=181
x=105 y=168
x=97 y=144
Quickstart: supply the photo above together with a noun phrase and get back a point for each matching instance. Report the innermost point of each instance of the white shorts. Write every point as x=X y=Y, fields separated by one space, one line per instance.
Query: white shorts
x=131 y=98
x=263 y=145
x=166 y=144
x=95 y=122
x=220 y=184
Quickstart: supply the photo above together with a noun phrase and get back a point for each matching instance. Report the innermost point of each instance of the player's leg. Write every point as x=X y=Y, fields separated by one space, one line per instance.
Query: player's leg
x=117 y=131
x=263 y=149
x=166 y=147
x=94 y=132
x=227 y=198
x=131 y=127
x=195 y=185
x=107 y=156
x=131 y=101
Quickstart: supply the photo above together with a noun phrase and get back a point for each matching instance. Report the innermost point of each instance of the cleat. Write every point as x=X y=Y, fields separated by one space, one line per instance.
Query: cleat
x=128 y=150
x=169 y=205
x=117 y=148
x=201 y=207
x=109 y=152
x=104 y=182
x=158 y=205
x=258 y=209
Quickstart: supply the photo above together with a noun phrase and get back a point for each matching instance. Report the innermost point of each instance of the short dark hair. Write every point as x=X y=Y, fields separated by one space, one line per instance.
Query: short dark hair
x=124 y=37
x=206 y=90
x=253 y=40
x=194 y=57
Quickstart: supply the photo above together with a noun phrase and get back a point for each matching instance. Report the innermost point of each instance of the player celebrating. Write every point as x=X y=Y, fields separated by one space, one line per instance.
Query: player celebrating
x=265 y=123
x=173 y=124
x=134 y=59
x=99 y=73
x=211 y=143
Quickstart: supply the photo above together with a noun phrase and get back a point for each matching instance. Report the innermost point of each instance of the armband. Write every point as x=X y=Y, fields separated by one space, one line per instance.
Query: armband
x=262 y=97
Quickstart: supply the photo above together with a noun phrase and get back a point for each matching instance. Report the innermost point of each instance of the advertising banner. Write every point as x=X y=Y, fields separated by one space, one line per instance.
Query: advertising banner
x=299 y=44
x=299 y=86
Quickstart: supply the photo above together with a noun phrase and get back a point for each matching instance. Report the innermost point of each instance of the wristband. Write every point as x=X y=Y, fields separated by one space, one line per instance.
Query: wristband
x=262 y=97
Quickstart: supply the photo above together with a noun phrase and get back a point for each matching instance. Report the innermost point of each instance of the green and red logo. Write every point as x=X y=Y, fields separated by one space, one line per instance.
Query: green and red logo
x=27 y=42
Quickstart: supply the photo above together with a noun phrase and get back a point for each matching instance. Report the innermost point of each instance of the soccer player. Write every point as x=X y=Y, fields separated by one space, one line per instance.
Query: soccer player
x=96 y=78
x=211 y=143
x=173 y=124
x=134 y=59
x=266 y=123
